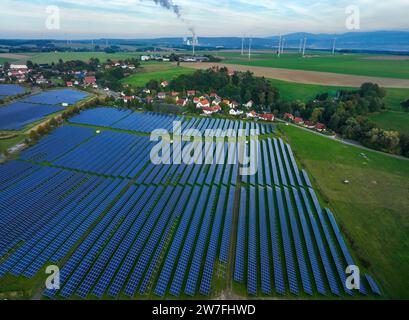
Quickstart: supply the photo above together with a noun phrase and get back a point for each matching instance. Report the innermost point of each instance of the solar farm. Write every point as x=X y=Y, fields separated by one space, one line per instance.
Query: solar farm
x=16 y=115
x=88 y=198
x=9 y=90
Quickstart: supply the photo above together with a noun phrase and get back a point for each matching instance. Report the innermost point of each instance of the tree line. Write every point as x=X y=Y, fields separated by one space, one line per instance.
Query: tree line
x=346 y=114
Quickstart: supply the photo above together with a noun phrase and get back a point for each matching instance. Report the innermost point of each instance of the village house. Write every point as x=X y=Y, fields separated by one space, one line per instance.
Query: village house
x=203 y=104
x=249 y=104
x=164 y=84
x=191 y=93
x=320 y=127
x=182 y=102
x=69 y=84
x=309 y=124
x=90 y=80
x=22 y=68
x=161 y=95
x=128 y=98
x=234 y=112
x=211 y=110
x=288 y=116
x=298 y=120
x=266 y=117
x=251 y=114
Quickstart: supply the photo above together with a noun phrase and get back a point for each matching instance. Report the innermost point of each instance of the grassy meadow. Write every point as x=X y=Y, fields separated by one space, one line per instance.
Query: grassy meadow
x=155 y=72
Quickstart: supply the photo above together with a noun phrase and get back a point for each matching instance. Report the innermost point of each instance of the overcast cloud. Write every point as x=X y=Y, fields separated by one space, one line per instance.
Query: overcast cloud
x=143 y=18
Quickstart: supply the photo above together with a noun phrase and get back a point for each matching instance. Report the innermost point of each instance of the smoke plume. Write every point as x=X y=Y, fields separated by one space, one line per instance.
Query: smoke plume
x=169 y=5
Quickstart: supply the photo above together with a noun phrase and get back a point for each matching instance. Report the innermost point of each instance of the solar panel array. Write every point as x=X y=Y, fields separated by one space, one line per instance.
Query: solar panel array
x=8 y=90
x=300 y=247
x=16 y=115
x=120 y=226
x=126 y=120
x=55 y=97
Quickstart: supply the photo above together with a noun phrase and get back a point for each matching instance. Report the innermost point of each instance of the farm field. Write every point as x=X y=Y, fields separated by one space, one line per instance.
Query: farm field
x=371 y=210
x=174 y=231
x=354 y=64
x=156 y=72
x=83 y=56
x=307 y=76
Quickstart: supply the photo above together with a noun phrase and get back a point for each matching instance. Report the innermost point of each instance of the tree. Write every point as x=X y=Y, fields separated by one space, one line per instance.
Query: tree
x=33 y=135
x=316 y=115
x=225 y=108
x=152 y=85
x=405 y=105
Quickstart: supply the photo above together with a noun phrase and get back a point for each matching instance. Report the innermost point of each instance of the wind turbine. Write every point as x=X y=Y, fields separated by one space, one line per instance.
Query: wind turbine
x=279 y=46
x=300 y=50
x=282 y=46
x=250 y=40
x=333 y=46
x=242 y=45
x=305 y=44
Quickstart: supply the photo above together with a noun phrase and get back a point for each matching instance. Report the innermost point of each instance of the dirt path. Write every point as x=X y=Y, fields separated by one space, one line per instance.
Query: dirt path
x=307 y=77
x=15 y=56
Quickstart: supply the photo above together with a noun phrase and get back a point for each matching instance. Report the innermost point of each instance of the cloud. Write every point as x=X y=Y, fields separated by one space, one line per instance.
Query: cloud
x=143 y=18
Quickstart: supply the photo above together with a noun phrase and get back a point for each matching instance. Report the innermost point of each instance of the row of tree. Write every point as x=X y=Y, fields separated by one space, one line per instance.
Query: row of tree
x=241 y=87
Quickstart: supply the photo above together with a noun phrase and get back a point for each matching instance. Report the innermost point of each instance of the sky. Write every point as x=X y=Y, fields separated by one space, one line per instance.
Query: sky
x=85 y=19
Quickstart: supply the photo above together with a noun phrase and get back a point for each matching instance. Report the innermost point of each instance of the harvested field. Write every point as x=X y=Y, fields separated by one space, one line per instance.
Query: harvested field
x=308 y=77
x=389 y=58
x=14 y=56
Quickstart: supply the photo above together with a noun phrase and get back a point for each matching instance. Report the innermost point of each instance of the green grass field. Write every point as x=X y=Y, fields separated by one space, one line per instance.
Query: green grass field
x=165 y=72
x=371 y=210
x=4 y=60
x=354 y=64
x=392 y=120
x=291 y=91
x=83 y=56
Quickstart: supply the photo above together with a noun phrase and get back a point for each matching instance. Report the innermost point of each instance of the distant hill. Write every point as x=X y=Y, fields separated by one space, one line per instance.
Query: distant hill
x=379 y=41
x=372 y=41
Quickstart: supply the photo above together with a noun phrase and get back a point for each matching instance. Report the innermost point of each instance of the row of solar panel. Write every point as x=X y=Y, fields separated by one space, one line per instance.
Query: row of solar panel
x=8 y=90
x=126 y=120
x=16 y=115
x=229 y=128
x=298 y=248
x=276 y=165
x=108 y=153
x=119 y=242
